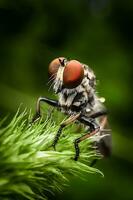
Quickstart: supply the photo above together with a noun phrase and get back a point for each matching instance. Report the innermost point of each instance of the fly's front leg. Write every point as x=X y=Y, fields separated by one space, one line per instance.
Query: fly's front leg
x=71 y=119
x=45 y=100
x=94 y=128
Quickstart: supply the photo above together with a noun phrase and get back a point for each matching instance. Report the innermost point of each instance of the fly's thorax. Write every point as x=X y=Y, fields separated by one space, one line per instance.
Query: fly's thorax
x=76 y=100
x=98 y=106
x=89 y=74
x=94 y=106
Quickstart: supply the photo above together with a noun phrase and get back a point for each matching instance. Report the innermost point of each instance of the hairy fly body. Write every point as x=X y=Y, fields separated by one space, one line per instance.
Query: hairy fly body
x=75 y=83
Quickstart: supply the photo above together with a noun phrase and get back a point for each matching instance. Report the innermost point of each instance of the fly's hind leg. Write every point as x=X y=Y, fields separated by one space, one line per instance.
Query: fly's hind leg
x=94 y=127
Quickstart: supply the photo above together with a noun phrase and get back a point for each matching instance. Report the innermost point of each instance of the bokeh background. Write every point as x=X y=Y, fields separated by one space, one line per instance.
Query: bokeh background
x=96 y=32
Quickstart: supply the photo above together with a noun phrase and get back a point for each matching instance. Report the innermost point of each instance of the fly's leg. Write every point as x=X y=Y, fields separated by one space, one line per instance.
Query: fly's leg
x=98 y=114
x=45 y=100
x=94 y=127
x=103 y=142
x=62 y=125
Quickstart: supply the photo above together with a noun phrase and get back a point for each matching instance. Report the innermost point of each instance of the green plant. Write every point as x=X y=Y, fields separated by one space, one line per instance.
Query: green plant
x=29 y=167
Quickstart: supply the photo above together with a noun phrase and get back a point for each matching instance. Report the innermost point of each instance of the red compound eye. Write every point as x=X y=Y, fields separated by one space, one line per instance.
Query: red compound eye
x=54 y=66
x=73 y=74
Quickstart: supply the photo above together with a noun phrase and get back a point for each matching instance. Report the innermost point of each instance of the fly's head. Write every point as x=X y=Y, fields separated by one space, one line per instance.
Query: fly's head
x=70 y=74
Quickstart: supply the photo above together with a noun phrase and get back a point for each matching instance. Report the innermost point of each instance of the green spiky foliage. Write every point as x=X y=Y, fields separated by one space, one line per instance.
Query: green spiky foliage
x=29 y=167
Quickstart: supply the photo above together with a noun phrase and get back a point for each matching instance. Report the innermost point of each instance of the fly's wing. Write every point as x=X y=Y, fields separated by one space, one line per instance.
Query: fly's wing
x=105 y=141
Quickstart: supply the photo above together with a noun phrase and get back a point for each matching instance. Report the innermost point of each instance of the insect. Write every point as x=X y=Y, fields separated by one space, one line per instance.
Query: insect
x=75 y=85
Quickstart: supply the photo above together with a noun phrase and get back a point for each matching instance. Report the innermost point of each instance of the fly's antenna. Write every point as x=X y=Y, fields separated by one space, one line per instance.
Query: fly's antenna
x=62 y=61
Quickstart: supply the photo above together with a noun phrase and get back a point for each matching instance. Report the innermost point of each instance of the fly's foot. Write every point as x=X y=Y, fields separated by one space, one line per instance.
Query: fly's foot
x=36 y=117
x=54 y=146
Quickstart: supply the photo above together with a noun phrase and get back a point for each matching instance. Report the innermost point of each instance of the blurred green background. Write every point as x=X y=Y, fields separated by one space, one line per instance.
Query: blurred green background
x=96 y=32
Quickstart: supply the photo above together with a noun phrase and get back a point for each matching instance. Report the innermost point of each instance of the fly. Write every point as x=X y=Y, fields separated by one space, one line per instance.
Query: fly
x=75 y=85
